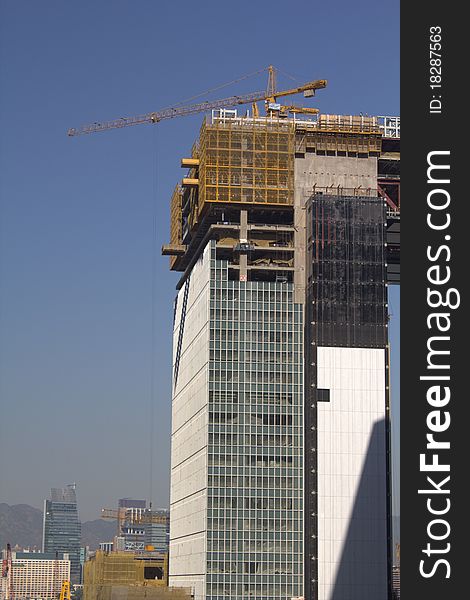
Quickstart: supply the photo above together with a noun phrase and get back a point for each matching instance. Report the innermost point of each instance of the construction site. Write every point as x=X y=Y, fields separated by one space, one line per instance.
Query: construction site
x=128 y=576
x=138 y=528
x=285 y=228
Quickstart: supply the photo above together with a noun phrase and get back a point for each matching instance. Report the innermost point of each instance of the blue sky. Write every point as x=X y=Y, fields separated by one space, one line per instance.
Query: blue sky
x=76 y=213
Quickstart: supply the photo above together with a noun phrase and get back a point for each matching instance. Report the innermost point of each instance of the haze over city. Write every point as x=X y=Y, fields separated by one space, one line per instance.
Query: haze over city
x=76 y=216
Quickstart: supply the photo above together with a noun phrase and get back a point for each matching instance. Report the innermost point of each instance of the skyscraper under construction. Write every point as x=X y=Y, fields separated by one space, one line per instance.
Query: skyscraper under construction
x=286 y=234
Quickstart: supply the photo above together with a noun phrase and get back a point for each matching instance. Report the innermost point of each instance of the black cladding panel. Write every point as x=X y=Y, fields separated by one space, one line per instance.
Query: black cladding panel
x=347 y=271
x=346 y=307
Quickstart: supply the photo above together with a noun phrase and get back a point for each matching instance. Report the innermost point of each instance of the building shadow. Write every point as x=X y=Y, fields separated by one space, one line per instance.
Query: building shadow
x=363 y=570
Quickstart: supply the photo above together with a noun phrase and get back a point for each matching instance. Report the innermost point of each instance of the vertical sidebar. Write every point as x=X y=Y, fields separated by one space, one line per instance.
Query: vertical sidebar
x=434 y=328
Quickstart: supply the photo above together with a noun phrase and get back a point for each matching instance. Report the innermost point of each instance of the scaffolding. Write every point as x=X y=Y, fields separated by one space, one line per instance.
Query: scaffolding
x=176 y=233
x=176 y=224
x=348 y=123
x=124 y=568
x=124 y=575
x=135 y=592
x=243 y=163
x=340 y=135
x=246 y=161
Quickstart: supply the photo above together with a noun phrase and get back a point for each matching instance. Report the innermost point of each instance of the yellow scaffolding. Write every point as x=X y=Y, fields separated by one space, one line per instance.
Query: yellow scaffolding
x=135 y=592
x=241 y=162
x=123 y=575
x=330 y=141
x=246 y=162
x=176 y=229
x=350 y=134
x=120 y=568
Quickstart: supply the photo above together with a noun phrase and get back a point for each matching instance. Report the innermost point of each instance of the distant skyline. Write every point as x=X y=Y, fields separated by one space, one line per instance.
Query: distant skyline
x=76 y=215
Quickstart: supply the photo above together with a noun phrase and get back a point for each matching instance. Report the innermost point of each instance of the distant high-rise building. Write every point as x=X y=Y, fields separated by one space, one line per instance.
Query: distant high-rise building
x=84 y=554
x=62 y=528
x=157 y=529
x=131 y=503
x=140 y=527
x=131 y=528
x=396 y=583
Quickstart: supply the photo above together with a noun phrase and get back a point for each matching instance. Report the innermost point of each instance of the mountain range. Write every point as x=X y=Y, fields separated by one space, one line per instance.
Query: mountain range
x=21 y=525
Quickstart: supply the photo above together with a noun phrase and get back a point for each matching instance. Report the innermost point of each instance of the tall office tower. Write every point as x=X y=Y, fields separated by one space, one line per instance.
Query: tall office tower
x=62 y=528
x=280 y=454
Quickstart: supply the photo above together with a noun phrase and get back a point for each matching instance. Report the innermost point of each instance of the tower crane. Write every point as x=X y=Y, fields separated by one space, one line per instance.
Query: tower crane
x=123 y=515
x=273 y=109
x=138 y=519
x=270 y=97
x=7 y=572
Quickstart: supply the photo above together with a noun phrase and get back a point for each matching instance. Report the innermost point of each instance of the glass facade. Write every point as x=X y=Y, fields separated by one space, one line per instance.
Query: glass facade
x=62 y=528
x=255 y=445
x=347 y=270
x=157 y=534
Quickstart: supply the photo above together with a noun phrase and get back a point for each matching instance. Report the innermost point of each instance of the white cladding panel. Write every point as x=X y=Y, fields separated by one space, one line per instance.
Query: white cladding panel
x=352 y=473
x=188 y=486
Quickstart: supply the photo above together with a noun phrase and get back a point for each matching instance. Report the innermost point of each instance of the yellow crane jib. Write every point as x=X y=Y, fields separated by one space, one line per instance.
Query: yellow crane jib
x=283 y=110
x=308 y=89
x=123 y=514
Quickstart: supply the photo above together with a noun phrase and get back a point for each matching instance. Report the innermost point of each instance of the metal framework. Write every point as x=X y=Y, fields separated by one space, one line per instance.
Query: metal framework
x=246 y=162
x=390 y=126
x=154 y=117
x=176 y=228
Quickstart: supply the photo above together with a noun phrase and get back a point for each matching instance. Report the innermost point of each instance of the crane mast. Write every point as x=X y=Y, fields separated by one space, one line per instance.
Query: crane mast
x=65 y=591
x=7 y=572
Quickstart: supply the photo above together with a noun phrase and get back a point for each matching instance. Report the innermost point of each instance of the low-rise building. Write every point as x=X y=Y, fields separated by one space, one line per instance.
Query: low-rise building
x=129 y=576
x=35 y=575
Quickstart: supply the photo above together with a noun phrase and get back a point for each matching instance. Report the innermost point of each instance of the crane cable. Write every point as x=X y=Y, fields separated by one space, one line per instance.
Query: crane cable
x=153 y=312
x=296 y=79
x=215 y=89
x=154 y=274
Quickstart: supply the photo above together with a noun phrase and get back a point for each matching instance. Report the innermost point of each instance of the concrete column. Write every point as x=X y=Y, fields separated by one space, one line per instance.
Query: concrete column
x=243 y=224
x=243 y=238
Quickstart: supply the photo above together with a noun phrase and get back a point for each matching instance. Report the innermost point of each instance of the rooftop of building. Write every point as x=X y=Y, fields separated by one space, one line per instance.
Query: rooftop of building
x=40 y=556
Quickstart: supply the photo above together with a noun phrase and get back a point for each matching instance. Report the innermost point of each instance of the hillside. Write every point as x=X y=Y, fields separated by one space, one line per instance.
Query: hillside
x=22 y=524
